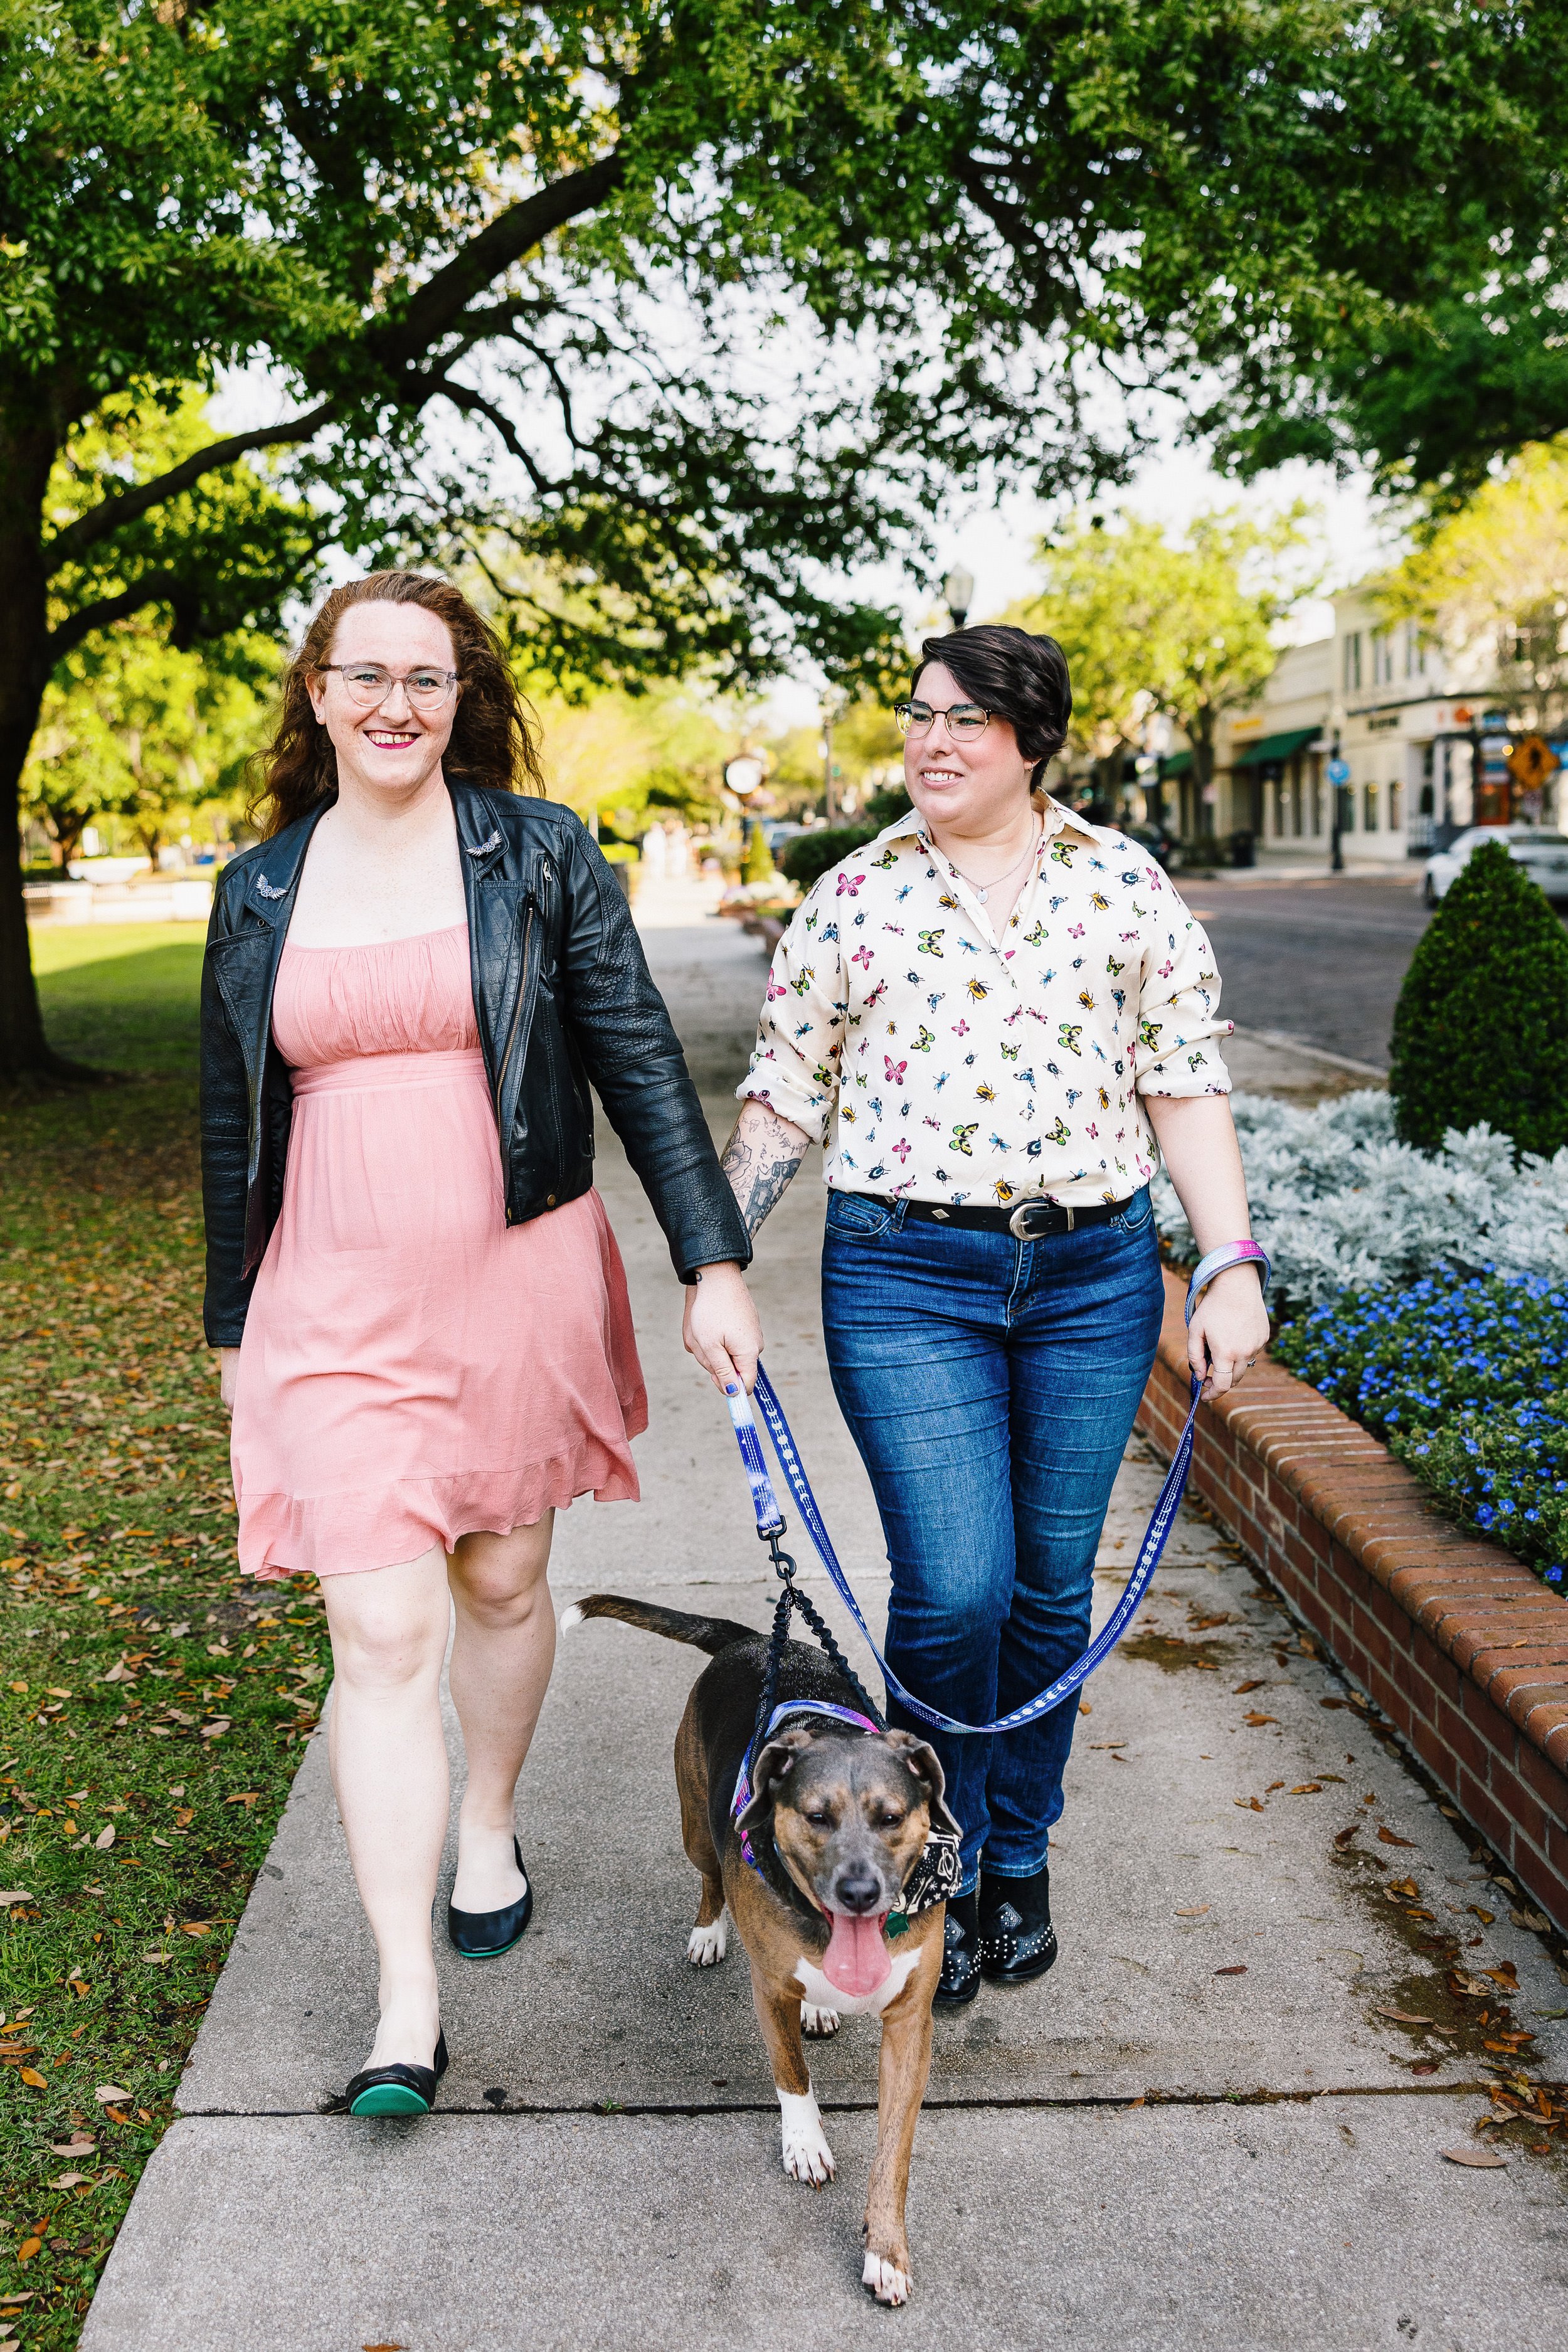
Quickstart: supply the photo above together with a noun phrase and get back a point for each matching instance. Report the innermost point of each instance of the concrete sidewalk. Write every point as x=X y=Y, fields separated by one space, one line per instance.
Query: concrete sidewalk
x=1205 y=2128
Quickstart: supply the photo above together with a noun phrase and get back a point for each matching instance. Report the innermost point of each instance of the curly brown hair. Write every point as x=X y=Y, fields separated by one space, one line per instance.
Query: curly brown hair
x=495 y=736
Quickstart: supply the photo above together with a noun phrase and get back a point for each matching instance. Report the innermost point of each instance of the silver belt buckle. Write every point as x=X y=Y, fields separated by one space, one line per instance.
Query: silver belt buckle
x=1018 y=1222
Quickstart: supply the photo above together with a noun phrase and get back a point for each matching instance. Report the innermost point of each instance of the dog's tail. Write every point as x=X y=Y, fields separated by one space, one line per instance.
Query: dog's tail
x=710 y=1633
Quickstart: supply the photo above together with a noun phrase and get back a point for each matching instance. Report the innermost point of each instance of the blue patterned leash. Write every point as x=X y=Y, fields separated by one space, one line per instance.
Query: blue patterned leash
x=770 y=1523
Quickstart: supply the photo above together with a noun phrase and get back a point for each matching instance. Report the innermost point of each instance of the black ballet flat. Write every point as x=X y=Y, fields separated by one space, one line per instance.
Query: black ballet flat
x=486 y=1935
x=397 y=2090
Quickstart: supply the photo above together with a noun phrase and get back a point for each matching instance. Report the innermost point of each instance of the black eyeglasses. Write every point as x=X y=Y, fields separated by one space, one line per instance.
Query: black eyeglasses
x=963 y=718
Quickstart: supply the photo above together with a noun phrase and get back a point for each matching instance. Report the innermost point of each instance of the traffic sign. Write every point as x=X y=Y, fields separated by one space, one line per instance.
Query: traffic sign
x=1531 y=763
x=1339 y=771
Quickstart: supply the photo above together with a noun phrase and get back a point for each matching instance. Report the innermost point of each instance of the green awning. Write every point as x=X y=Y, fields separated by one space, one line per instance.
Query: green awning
x=1273 y=747
x=1177 y=765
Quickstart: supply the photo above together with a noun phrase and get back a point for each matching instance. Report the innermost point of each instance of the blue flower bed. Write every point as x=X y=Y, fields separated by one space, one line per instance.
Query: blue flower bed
x=1465 y=1377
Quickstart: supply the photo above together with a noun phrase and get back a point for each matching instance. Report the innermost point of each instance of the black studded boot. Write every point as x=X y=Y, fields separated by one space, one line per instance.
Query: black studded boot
x=1017 y=1940
x=959 y=1979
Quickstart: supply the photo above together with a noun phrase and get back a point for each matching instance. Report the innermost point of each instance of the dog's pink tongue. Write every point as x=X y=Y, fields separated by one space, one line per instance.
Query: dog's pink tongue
x=855 y=1960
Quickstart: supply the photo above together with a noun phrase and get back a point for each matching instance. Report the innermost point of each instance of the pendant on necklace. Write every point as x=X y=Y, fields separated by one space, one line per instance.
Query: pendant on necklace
x=983 y=895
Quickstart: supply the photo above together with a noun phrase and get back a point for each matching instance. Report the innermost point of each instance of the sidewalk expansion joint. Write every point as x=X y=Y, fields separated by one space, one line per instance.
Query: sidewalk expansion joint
x=612 y=2110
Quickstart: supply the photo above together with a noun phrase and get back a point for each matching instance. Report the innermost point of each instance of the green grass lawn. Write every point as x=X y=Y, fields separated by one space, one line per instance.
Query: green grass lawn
x=153 y=1705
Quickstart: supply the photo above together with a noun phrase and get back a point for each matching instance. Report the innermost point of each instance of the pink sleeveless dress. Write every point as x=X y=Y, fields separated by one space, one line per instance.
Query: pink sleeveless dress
x=414 y=1368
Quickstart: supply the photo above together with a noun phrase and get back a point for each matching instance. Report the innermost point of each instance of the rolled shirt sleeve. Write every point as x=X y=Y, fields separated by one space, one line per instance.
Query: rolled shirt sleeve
x=1179 y=1023
x=803 y=1020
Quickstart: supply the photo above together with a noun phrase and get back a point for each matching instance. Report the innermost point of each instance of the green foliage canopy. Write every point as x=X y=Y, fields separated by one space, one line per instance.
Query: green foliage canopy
x=1184 y=627
x=516 y=278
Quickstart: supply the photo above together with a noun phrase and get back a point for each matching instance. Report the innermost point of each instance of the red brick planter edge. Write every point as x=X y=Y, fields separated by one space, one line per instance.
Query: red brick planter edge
x=1464 y=1650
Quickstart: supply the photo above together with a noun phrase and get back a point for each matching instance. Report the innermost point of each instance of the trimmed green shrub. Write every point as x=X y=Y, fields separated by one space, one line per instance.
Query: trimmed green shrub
x=757 y=865
x=1480 y=1031
x=807 y=857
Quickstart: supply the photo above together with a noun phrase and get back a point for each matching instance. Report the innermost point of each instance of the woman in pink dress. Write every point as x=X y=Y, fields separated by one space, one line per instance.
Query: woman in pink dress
x=419 y=1308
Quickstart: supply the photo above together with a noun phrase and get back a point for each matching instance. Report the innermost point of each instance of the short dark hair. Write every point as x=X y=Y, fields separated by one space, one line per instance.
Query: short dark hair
x=1017 y=676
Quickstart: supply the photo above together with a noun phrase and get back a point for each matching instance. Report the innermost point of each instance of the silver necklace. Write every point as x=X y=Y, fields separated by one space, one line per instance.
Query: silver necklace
x=983 y=894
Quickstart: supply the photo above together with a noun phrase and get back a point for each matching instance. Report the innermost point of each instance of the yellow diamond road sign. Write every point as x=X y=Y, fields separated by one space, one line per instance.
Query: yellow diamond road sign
x=1532 y=761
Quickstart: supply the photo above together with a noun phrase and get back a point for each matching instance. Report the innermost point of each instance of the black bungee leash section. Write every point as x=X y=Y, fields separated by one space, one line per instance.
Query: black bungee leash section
x=792 y=1597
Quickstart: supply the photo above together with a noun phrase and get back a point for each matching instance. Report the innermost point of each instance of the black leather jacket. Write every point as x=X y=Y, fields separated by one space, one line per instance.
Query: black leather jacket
x=563 y=995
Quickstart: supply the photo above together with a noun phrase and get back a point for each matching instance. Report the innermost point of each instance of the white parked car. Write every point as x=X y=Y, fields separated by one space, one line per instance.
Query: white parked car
x=1543 y=854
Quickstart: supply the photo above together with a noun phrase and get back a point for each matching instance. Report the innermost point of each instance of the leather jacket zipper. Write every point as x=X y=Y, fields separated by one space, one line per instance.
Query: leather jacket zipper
x=525 y=1002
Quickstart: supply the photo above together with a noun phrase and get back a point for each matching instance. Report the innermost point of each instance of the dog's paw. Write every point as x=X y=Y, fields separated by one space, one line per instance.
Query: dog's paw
x=807 y=2155
x=706 y=1946
x=818 y=2022
x=887 y=2281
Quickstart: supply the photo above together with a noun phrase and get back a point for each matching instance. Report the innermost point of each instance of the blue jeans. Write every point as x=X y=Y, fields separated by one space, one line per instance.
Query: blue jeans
x=990 y=1385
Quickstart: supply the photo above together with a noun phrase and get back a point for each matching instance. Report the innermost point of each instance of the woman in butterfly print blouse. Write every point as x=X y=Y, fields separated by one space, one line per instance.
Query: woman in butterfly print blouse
x=997 y=1004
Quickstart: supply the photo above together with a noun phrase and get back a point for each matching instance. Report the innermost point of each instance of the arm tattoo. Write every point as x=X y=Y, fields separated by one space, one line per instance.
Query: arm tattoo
x=761 y=1164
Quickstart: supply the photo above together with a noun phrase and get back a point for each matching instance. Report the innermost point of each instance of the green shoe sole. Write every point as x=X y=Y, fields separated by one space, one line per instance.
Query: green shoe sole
x=390 y=2099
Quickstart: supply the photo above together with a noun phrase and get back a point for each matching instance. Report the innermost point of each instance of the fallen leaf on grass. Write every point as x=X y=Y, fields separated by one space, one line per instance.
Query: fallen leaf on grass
x=1486 y=2158
x=110 y=2094
x=1388 y=1838
x=246 y=1797
x=156 y=1960
x=77 y=2144
x=1253 y=1716
x=15 y=1893
x=196 y=1927
x=1256 y=1683
x=105 y=1838
x=31 y=2074
x=1197 y=1912
x=68 y=2179
x=1238 y=1971
x=29 y=2248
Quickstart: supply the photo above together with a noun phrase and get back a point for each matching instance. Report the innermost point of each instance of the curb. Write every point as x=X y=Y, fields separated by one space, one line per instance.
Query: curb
x=1464 y=1650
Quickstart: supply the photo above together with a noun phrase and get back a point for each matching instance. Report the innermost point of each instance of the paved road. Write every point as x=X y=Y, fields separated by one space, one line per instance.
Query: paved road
x=1214 y=2125
x=1321 y=961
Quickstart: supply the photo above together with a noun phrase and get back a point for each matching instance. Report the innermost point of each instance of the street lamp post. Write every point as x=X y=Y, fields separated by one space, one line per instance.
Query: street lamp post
x=958 y=592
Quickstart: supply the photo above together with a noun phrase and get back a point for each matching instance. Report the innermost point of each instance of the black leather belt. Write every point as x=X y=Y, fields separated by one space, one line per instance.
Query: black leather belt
x=1031 y=1221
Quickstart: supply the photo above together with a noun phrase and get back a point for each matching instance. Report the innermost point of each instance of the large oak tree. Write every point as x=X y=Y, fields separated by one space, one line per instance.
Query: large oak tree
x=519 y=269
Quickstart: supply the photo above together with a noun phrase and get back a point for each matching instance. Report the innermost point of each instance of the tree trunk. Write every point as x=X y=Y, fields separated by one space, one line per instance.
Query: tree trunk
x=27 y=452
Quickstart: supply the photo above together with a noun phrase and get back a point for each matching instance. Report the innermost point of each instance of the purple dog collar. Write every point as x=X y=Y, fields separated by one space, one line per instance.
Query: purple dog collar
x=743 y=1796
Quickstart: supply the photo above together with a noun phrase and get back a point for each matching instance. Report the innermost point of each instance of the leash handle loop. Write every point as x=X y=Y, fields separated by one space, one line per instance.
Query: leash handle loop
x=1229 y=1253
x=770 y=1521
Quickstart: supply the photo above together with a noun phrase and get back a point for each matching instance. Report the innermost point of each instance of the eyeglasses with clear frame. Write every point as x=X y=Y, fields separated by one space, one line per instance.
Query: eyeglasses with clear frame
x=366 y=683
x=963 y=719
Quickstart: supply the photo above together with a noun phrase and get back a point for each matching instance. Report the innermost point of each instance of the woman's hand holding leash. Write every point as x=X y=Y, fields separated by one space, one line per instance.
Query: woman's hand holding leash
x=721 y=1328
x=1229 y=1329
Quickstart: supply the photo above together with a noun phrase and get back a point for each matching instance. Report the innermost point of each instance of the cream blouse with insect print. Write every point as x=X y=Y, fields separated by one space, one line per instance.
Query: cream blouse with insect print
x=930 y=1059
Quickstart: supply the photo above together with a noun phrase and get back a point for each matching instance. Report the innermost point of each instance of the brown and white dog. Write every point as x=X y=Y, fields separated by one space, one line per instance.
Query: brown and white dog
x=813 y=1872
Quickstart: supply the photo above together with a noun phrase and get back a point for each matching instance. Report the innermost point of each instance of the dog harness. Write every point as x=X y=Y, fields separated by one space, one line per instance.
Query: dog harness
x=935 y=1876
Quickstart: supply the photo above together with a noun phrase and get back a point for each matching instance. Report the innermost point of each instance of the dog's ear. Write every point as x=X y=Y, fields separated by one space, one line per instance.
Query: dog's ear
x=769 y=1774
x=921 y=1758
